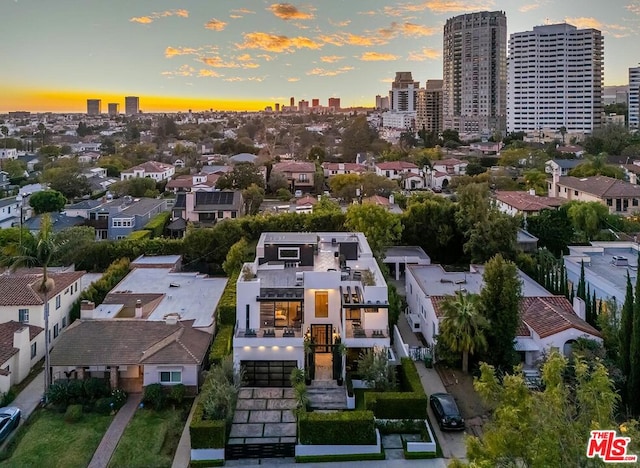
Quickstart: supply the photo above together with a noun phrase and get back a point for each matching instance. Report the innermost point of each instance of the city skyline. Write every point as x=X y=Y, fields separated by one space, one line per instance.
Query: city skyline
x=255 y=53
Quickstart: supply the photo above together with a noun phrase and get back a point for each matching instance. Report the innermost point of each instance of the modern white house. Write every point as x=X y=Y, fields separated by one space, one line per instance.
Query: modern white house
x=152 y=169
x=324 y=288
x=545 y=320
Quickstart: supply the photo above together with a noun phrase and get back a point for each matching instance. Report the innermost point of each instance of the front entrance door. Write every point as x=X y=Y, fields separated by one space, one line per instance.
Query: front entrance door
x=321 y=336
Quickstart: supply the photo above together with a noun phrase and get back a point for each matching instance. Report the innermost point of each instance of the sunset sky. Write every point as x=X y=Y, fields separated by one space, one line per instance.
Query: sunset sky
x=245 y=54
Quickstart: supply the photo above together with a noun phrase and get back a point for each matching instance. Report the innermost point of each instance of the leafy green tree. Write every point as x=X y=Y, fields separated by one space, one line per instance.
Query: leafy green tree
x=317 y=154
x=586 y=217
x=381 y=227
x=553 y=228
x=544 y=428
x=47 y=201
x=496 y=234
x=241 y=177
x=14 y=168
x=357 y=138
x=74 y=243
x=462 y=327
x=326 y=205
x=277 y=181
x=611 y=139
x=499 y=303
x=235 y=257
x=136 y=187
x=68 y=181
x=344 y=186
x=50 y=151
x=473 y=206
x=536 y=180
x=374 y=367
x=597 y=165
x=253 y=197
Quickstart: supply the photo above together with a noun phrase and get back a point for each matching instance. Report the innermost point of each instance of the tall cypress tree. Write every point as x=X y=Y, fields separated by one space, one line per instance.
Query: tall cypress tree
x=633 y=384
x=595 y=308
x=626 y=327
x=587 y=305
x=581 y=292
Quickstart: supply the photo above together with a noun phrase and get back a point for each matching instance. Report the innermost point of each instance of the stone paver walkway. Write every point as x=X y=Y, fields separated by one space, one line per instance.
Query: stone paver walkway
x=111 y=438
x=264 y=416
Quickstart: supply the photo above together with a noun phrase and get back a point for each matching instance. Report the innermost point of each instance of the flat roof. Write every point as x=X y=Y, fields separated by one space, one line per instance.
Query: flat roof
x=192 y=295
x=406 y=251
x=598 y=260
x=156 y=259
x=435 y=281
x=289 y=237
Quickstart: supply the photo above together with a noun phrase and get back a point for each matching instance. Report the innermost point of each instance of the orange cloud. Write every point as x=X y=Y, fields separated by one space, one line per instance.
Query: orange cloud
x=240 y=12
x=616 y=30
x=174 y=51
x=341 y=39
x=287 y=11
x=425 y=54
x=323 y=72
x=163 y=14
x=634 y=8
x=377 y=56
x=293 y=80
x=243 y=58
x=331 y=58
x=218 y=62
x=215 y=25
x=274 y=43
x=265 y=57
x=530 y=7
x=340 y=24
x=417 y=30
x=184 y=70
x=450 y=6
x=204 y=73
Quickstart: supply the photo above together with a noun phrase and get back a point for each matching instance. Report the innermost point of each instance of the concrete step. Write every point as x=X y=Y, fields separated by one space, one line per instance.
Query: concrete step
x=327 y=398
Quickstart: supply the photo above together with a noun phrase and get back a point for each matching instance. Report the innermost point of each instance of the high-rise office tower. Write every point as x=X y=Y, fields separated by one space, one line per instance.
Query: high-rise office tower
x=474 y=92
x=277 y=107
x=634 y=98
x=555 y=79
x=404 y=93
x=334 y=103
x=292 y=102
x=429 y=107
x=303 y=106
x=315 y=102
x=382 y=102
x=114 y=108
x=131 y=105
x=94 y=106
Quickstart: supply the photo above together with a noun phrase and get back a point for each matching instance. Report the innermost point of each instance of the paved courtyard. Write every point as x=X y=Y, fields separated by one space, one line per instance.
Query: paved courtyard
x=264 y=416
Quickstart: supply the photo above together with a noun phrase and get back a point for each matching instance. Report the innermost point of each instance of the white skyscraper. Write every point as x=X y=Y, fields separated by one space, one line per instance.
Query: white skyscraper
x=555 y=79
x=404 y=93
x=634 y=98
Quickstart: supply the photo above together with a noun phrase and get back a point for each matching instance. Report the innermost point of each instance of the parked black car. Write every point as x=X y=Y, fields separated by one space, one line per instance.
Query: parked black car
x=446 y=411
x=9 y=420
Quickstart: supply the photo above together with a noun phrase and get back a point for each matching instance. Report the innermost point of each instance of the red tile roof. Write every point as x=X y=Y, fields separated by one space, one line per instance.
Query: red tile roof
x=7 y=331
x=294 y=166
x=376 y=200
x=21 y=289
x=308 y=200
x=396 y=166
x=149 y=166
x=450 y=162
x=352 y=167
x=524 y=201
x=601 y=186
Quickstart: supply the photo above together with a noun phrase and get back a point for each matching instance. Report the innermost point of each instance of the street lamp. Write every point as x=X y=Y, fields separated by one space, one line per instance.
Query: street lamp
x=20 y=199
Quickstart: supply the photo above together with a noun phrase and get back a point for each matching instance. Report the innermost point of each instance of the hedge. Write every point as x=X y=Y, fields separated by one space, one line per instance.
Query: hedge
x=158 y=223
x=339 y=428
x=226 y=311
x=222 y=344
x=409 y=404
x=340 y=458
x=139 y=235
x=206 y=434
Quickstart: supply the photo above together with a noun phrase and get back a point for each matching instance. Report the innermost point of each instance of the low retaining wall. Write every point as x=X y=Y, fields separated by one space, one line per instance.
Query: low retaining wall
x=315 y=450
x=207 y=454
x=429 y=447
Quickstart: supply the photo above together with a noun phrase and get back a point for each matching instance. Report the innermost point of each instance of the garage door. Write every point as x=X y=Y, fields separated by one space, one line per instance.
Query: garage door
x=268 y=373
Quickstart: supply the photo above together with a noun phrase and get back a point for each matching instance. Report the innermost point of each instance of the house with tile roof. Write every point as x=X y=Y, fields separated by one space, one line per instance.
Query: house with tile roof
x=20 y=301
x=336 y=168
x=153 y=169
x=619 y=196
x=189 y=183
x=546 y=320
x=116 y=219
x=21 y=347
x=525 y=203
x=299 y=174
x=132 y=353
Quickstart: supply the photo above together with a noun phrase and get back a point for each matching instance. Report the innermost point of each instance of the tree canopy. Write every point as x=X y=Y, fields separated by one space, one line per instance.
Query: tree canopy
x=47 y=201
x=381 y=227
x=241 y=177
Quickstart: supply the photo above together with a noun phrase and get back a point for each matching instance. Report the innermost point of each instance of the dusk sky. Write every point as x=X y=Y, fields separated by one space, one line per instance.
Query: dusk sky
x=245 y=54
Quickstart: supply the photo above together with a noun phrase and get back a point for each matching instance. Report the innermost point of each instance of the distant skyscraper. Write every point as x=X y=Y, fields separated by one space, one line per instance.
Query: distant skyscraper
x=292 y=102
x=94 y=106
x=277 y=107
x=634 y=98
x=131 y=105
x=475 y=72
x=404 y=93
x=382 y=102
x=303 y=106
x=114 y=108
x=429 y=107
x=315 y=102
x=555 y=79
x=334 y=103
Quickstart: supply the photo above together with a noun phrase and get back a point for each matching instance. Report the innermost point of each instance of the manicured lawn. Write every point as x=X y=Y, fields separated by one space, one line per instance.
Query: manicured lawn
x=150 y=439
x=50 y=441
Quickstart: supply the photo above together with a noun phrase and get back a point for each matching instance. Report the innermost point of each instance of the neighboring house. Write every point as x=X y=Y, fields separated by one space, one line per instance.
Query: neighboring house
x=377 y=200
x=300 y=175
x=155 y=170
x=437 y=179
x=4 y=180
x=571 y=149
x=525 y=203
x=545 y=320
x=619 y=196
x=450 y=166
x=132 y=353
x=8 y=153
x=117 y=219
x=9 y=212
x=20 y=301
x=188 y=183
x=561 y=165
x=306 y=204
x=89 y=157
x=606 y=265
x=331 y=168
x=82 y=208
x=86 y=147
x=398 y=257
x=486 y=147
x=397 y=170
x=59 y=222
x=526 y=241
x=208 y=207
x=308 y=285
x=21 y=347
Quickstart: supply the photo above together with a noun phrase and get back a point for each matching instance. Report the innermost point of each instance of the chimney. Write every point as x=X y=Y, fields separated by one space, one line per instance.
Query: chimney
x=21 y=341
x=138 y=314
x=554 y=183
x=633 y=178
x=86 y=310
x=532 y=192
x=579 y=307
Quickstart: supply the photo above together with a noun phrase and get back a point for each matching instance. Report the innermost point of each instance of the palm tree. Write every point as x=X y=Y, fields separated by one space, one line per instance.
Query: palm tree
x=41 y=252
x=462 y=327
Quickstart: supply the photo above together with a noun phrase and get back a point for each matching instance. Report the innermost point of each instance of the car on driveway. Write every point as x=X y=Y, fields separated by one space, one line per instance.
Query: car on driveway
x=446 y=411
x=9 y=420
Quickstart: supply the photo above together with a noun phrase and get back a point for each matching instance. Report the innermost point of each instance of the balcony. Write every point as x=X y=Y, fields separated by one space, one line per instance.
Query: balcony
x=355 y=330
x=269 y=333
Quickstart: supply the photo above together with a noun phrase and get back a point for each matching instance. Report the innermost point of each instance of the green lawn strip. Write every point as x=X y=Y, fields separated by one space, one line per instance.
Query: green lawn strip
x=48 y=441
x=340 y=458
x=150 y=439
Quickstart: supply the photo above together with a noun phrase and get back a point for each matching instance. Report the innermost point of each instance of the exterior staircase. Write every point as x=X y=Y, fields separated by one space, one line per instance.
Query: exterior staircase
x=327 y=395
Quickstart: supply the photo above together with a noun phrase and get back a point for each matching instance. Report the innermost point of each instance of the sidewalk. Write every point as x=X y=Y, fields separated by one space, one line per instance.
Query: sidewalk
x=182 y=458
x=111 y=438
x=29 y=398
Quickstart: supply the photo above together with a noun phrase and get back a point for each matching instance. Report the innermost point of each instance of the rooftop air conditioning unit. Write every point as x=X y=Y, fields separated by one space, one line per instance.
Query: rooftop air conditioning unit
x=620 y=260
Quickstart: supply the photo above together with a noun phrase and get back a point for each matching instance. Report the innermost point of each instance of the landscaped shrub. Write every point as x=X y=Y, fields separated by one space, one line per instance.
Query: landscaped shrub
x=400 y=426
x=158 y=223
x=75 y=390
x=339 y=428
x=226 y=311
x=154 y=396
x=95 y=388
x=177 y=393
x=222 y=344
x=73 y=413
x=119 y=398
x=409 y=377
x=104 y=406
x=58 y=394
x=139 y=235
x=206 y=433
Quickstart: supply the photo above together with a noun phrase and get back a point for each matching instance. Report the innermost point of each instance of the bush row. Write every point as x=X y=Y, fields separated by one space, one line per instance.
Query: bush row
x=409 y=404
x=91 y=395
x=139 y=235
x=206 y=433
x=158 y=223
x=222 y=344
x=226 y=311
x=99 y=255
x=99 y=289
x=340 y=428
x=158 y=395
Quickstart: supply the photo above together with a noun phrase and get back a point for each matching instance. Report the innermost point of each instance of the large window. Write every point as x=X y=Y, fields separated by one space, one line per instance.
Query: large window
x=281 y=314
x=170 y=377
x=322 y=304
x=34 y=350
x=58 y=301
x=56 y=330
x=23 y=315
x=289 y=253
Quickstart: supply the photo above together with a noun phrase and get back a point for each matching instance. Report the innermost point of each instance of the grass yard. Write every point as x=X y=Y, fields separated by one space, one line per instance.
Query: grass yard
x=48 y=441
x=150 y=439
